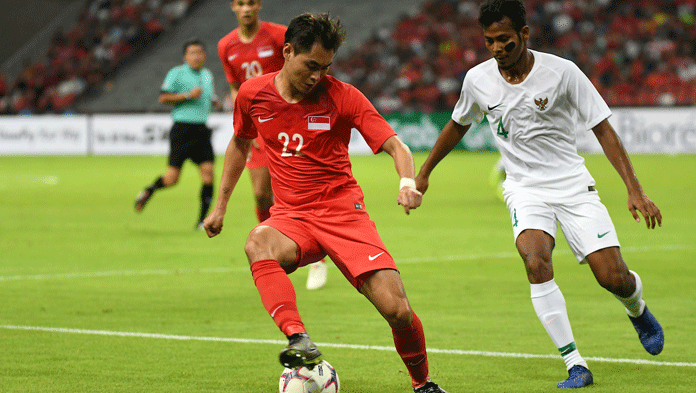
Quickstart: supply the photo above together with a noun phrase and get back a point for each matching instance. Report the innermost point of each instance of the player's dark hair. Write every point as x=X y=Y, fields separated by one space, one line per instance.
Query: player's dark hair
x=493 y=11
x=193 y=41
x=306 y=29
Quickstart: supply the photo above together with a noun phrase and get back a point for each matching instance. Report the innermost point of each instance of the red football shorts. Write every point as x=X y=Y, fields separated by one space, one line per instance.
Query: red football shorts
x=257 y=156
x=354 y=246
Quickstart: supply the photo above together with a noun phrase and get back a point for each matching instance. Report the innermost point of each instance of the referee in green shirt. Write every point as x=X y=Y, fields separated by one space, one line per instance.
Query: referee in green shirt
x=189 y=88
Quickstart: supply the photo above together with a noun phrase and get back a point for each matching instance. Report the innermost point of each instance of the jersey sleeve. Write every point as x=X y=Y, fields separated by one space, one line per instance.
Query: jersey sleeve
x=591 y=107
x=365 y=118
x=243 y=124
x=222 y=53
x=467 y=111
x=170 y=84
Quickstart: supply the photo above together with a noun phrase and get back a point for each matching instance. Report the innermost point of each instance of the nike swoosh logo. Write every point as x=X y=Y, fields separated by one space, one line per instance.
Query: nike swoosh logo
x=490 y=108
x=550 y=320
x=231 y=57
x=274 y=311
x=602 y=235
x=264 y=120
x=417 y=363
x=372 y=258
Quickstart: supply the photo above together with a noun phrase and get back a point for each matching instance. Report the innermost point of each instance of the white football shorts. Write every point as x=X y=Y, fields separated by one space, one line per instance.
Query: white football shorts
x=585 y=223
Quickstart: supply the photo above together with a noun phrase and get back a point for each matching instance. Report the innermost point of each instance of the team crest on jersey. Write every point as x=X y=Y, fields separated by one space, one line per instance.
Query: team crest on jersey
x=541 y=103
x=319 y=123
x=265 y=51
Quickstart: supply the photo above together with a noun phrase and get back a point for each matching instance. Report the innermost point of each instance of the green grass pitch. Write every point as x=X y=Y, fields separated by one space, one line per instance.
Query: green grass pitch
x=97 y=298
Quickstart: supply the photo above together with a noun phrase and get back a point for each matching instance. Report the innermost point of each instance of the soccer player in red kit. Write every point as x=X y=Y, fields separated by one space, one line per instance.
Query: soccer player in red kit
x=252 y=49
x=305 y=119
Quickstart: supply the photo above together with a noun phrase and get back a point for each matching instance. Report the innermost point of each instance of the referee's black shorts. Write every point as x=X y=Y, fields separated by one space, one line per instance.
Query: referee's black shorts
x=190 y=140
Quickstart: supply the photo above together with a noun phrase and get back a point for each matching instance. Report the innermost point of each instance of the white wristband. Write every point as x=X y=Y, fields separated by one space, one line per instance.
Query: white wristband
x=407 y=182
x=187 y=95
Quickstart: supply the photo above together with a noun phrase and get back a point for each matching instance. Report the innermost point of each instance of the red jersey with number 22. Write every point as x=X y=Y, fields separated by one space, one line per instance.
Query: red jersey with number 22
x=307 y=143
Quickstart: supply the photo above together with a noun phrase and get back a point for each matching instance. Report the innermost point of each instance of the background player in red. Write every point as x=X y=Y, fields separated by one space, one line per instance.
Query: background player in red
x=252 y=49
x=305 y=119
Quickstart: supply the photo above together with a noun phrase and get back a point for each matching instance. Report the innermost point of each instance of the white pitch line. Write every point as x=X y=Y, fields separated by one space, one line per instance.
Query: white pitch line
x=511 y=254
x=442 y=258
x=113 y=273
x=334 y=345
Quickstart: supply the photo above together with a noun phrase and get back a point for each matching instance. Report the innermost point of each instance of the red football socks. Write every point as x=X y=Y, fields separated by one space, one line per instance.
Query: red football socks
x=277 y=295
x=410 y=344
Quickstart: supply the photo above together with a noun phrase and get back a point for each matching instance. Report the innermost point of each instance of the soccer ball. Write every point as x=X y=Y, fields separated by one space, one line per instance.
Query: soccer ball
x=321 y=379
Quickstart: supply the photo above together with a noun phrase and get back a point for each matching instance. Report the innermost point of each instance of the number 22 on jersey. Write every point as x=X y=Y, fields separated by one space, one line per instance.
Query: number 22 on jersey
x=285 y=138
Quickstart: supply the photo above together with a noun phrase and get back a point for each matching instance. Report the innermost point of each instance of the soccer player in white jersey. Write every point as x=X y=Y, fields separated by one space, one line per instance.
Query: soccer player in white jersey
x=534 y=103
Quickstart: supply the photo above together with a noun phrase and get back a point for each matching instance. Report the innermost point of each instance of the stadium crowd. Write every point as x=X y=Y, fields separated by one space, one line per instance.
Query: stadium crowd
x=106 y=33
x=636 y=53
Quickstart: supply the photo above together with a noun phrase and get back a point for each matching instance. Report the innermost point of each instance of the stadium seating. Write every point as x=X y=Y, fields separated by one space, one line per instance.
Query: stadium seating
x=106 y=34
x=135 y=86
x=636 y=53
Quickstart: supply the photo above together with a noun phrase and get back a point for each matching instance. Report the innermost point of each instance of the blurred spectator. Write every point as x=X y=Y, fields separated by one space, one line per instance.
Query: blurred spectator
x=106 y=33
x=636 y=53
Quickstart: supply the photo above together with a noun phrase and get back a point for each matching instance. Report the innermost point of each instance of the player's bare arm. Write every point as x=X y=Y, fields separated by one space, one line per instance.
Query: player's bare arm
x=234 y=90
x=176 y=98
x=615 y=152
x=235 y=160
x=450 y=136
x=409 y=197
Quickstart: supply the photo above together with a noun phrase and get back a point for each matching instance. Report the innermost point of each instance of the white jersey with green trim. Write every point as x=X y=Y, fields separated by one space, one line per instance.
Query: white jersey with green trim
x=535 y=122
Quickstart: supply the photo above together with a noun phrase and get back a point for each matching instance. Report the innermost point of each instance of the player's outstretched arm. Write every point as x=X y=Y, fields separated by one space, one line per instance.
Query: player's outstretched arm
x=615 y=152
x=235 y=160
x=178 y=98
x=448 y=140
x=409 y=197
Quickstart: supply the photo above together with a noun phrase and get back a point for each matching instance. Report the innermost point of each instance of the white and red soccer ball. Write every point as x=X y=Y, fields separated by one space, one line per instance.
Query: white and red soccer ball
x=321 y=379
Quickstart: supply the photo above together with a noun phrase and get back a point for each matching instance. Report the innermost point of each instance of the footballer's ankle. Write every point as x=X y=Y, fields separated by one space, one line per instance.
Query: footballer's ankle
x=417 y=385
x=294 y=329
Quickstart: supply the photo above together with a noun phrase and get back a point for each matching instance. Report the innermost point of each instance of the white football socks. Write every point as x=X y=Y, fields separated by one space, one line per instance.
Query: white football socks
x=634 y=304
x=550 y=307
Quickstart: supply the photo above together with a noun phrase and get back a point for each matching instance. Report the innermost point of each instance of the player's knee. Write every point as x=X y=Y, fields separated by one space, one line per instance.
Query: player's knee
x=539 y=269
x=265 y=242
x=255 y=245
x=399 y=315
x=170 y=180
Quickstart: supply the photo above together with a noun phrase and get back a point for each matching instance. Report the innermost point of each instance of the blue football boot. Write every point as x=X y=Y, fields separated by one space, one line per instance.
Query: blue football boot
x=578 y=377
x=649 y=332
